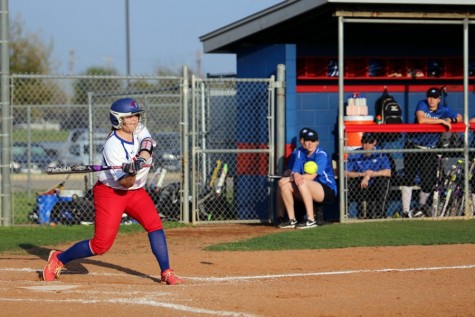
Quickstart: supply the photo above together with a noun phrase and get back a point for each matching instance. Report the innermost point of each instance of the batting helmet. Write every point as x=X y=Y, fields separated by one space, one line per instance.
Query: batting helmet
x=123 y=108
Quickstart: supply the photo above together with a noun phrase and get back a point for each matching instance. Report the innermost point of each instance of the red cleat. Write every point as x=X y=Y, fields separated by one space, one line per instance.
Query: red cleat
x=169 y=277
x=54 y=266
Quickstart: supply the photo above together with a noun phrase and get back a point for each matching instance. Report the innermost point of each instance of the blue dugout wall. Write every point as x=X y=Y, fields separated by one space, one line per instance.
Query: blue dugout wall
x=316 y=104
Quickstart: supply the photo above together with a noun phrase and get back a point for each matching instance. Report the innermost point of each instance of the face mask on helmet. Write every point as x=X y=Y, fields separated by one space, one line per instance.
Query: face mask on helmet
x=123 y=108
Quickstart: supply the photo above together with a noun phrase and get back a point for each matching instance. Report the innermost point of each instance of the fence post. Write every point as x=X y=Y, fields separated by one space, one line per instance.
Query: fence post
x=6 y=214
x=280 y=120
x=186 y=165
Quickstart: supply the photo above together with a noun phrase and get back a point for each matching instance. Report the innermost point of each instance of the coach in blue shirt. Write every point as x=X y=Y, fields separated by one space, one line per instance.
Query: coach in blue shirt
x=368 y=177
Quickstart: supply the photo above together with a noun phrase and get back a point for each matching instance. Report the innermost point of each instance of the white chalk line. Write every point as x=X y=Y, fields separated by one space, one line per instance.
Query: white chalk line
x=50 y=287
x=135 y=301
x=149 y=302
x=234 y=278
x=273 y=276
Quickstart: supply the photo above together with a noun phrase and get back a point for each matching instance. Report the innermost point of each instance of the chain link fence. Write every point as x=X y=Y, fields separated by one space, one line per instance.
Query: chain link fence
x=64 y=120
x=388 y=175
x=232 y=149
x=215 y=152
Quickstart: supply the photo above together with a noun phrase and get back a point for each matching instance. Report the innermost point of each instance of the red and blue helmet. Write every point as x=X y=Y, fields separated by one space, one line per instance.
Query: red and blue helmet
x=123 y=108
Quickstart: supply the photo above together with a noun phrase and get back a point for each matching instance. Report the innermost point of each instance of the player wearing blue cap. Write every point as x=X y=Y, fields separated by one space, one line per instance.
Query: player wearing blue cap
x=121 y=190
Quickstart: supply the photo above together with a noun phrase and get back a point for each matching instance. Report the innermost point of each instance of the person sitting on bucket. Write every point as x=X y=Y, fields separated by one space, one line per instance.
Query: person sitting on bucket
x=319 y=187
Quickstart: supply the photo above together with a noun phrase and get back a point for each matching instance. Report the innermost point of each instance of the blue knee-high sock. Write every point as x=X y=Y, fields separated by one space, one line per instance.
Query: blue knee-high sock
x=78 y=251
x=159 y=248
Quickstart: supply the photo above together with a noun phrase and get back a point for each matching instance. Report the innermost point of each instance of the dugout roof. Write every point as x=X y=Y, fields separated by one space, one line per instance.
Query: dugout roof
x=315 y=21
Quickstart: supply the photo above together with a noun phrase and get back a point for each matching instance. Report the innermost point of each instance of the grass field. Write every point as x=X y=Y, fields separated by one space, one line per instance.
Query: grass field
x=390 y=233
x=363 y=234
x=17 y=238
x=330 y=278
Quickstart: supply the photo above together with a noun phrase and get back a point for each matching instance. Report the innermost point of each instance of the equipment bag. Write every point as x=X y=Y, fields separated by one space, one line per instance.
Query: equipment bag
x=388 y=108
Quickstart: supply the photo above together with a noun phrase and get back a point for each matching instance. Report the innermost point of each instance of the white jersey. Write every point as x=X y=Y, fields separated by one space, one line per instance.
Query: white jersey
x=118 y=151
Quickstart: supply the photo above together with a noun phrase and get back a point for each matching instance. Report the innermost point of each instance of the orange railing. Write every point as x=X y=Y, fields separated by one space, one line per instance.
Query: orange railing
x=409 y=127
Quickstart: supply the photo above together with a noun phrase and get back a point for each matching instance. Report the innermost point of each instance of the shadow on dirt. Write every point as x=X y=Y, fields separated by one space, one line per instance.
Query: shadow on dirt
x=77 y=267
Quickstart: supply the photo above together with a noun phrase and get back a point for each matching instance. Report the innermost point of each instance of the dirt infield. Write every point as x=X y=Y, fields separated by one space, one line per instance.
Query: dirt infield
x=377 y=281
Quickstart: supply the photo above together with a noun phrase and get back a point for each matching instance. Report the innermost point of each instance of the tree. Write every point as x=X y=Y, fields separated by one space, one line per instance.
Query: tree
x=104 y=87
x=28 y=53
x=97 y=83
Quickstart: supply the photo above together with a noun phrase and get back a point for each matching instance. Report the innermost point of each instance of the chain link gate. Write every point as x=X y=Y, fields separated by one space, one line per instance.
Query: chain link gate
x=232 y=148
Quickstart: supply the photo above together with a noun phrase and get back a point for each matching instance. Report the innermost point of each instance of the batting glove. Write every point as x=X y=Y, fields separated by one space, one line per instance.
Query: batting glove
x=134 y=166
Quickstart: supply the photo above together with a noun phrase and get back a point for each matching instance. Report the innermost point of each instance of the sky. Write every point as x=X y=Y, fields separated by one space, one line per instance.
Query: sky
x=163 y=33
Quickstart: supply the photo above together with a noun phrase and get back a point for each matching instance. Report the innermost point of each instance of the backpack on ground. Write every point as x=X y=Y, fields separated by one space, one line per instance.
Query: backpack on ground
x=388 y=108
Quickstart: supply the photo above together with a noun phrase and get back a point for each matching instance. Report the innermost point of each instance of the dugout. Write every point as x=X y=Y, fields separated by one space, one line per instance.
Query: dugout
x=334 y=48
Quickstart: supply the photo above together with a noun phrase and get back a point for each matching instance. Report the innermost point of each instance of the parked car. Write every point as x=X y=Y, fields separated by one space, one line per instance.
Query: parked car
x=37 y=162
x=78 y=144
x=167 y=153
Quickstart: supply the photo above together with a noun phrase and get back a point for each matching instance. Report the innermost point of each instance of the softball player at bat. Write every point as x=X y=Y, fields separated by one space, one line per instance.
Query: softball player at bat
x=117 y=191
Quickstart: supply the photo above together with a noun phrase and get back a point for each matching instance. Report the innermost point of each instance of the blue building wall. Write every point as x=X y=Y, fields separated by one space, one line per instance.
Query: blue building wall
x=261 y=62
x=320 y=110
x=256 y=62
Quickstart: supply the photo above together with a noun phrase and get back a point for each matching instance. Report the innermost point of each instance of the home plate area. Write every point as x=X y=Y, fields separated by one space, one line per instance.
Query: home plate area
x=376 y=281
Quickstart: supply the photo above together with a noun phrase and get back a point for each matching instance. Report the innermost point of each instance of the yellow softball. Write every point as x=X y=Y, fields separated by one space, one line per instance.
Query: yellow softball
x=310 y=167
